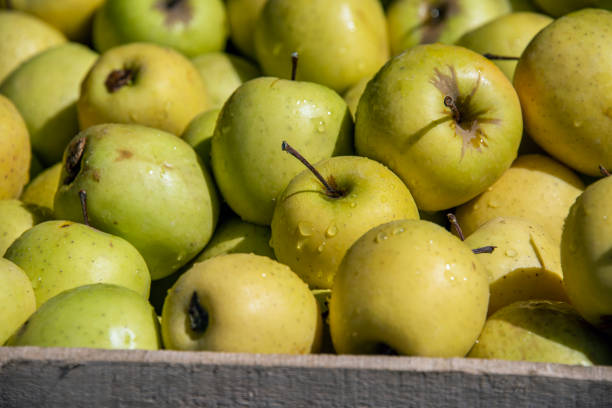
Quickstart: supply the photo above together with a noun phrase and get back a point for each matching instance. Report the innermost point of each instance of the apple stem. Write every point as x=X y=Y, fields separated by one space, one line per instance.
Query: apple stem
x=83 y=198
x=294 y=63
x=118 y=78
x=330 y=191
x=455 y=224
x=198 y=317
x=604 y=172
x=449 y=102
x=495 y=57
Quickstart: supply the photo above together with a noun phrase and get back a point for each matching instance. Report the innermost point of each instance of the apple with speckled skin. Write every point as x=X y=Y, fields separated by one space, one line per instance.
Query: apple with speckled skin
x=314 y=224
x=408 y=287
x=17 y=299
x=99 y=315
x=192 y=27
x=443 y=118
x=249 y=166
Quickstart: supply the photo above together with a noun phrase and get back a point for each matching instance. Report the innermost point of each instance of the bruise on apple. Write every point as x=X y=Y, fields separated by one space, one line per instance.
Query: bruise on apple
x=123 y=154
x=467 y=121
x=435 y=16
x=176 y=11
x=73 y=159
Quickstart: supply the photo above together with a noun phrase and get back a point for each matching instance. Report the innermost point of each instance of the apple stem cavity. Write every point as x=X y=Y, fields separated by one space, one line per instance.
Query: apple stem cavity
x=495 y=57
x=73 y=159
x=198 y=316
x=83 y=198
x=450 y=103
x=119 y=78
x=329 y=190
x=455 y=224
x=604 y=172
x=294 y=63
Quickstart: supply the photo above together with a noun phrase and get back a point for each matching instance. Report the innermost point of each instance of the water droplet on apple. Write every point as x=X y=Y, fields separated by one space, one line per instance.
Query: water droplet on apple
x=398 y=230
x=263 y=275
x=510 y=253
x=331 y=231
x=353 y=204
x=381 y=236
x=493 y=204
x=577 y=123
x=305 y=228
x=299 y=244
x=321 y=247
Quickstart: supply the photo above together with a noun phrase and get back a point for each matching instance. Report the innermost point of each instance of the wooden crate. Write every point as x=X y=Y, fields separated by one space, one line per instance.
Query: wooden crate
x=49 y=377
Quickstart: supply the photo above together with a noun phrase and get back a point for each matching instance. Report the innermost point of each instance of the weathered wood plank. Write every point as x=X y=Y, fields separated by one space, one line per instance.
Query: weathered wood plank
x=80 y=377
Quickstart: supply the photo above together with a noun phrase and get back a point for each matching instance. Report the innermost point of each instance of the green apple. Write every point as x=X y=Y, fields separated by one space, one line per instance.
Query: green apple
x=557 y=8
x=249 y=166
x=565 y=89
x=223 y=73
x=242 y=16
x=241 y=303
x=536 y=188
x=45 y=90
x=15 y=151
x=413 y=22
x=585 y=254
x=16 y=217
x=144 y=185
x=200 y=131
x=237 y=236
x=353 y=94
x=17 y=300
x=443 y=118
x=505 y=36
x=58 y=255
x=408 y=287
x=192 y=27
x=41 y=190
x=526 y=262
x=21 y=37
x=542 y=331
x=93 y=316
x=313 y=226
x=142 y=83
x=71 y=17
x=339 y=41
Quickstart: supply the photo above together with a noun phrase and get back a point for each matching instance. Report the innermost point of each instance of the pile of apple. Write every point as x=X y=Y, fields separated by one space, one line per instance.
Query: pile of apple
x=410 y=177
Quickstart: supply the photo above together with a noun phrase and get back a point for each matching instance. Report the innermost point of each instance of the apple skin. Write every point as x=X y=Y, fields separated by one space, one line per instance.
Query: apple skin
x=93 y=316
x=403 y=123
x=557 y=8
x=71 y=17
x=21 y=37
x=536 y=188
x=144 y=185
x=41 y=190
x=15 y=150
x=200 y=131
x=409 y=286
x=249 y=166
x=17 y=299
x=585 y=249
x=526 y=262
x=166 y=91
x=242 y=16
x=507 y=35
x=254 y=304
x=338 y=41
x=542 y=331
x=410 y=22
x=223 y=73
x=311 y=231
x=16 y=217
x=45 y=90
x=192 y=27
x=58 y=255
x=565 y=92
